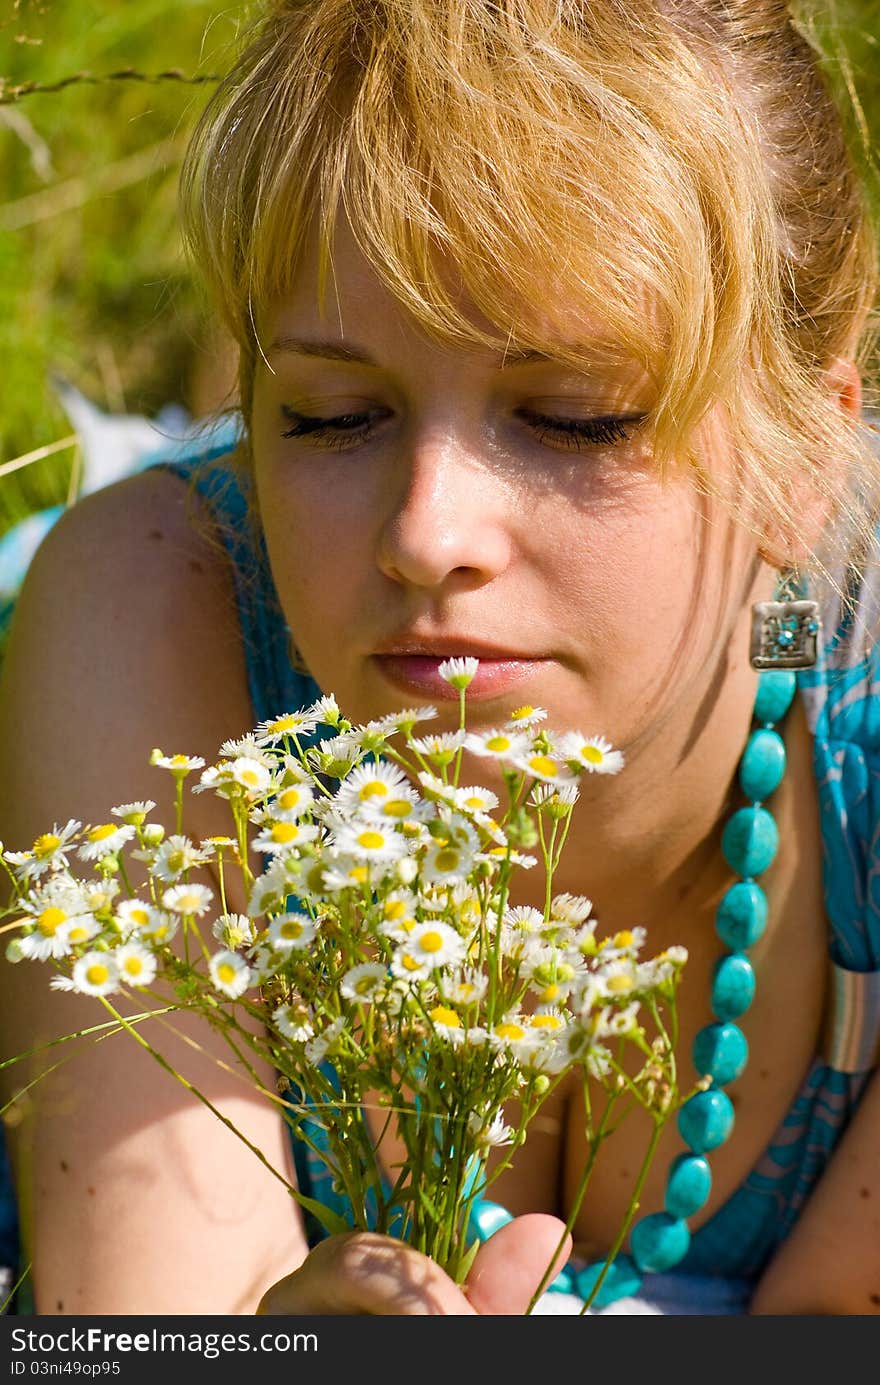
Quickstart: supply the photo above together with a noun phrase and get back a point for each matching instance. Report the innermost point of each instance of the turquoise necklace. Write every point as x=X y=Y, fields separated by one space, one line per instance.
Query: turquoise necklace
x=660 y=1240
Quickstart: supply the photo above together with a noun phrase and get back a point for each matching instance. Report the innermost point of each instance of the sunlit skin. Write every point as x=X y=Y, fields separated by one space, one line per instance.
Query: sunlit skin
x=458 y=519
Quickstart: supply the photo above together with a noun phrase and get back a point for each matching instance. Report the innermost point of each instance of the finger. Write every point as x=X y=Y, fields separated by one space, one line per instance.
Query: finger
x=365 y=1273
x=513 y=1262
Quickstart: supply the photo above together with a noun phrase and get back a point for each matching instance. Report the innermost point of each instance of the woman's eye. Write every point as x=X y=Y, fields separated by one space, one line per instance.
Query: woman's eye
x=338 y=433
x=577 y=433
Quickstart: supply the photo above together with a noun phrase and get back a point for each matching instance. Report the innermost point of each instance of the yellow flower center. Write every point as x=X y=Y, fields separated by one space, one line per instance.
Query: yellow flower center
x=474 y=802
x=365 y=984
x=97 y=974
x=510 y=1031
x=46 y=844
x=133 y=966
x=447 y=859
x=176 y=860
x=371 y=841
x=593 y=754
x=139 y=916
x=374 y=788
x=546 y=1022
x=359 y=874
x=394 y=909
x=288 y=723
x=410 y=963
x=179 y=761
x=431 y=942
x=441 y=1014
x=50 y=921
x=520 y=713
x=620 y=984
x=550 y=993
x=78 y=934
x=226 y=973
x=498 y=744
x=188 y=902
x=100 y=834
x=291 y=928
x=289 y=798
x=397 y=808
x=624 y=938
x=542 y=764
x=249 y=776
x=284 y=832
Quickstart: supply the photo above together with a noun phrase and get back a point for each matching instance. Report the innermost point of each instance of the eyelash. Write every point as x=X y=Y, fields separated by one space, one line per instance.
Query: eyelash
x=345 y=430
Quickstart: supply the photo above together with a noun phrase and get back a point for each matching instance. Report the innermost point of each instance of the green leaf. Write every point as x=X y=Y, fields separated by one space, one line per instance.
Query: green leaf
x=331 y=1221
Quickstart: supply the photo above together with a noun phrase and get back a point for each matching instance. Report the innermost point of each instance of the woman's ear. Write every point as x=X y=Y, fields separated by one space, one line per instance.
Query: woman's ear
x=815 y=502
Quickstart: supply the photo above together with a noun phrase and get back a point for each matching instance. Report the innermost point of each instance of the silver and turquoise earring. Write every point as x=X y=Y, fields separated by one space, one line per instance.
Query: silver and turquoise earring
x=785 y=631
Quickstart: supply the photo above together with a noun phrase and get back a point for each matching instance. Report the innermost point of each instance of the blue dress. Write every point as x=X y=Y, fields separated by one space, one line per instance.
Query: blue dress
x=728 y=1253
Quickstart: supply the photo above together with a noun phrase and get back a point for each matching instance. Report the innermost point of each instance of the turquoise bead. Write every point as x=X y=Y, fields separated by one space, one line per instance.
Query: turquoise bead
x=720 y=1051
x=776 y=688
x=658 y=1242
x=564 y=1283
x=762 y=765
x=741 y=917
x=706 y=1120
x=688 y=1185
x=733 y=986
x=487 y=1217
x=622 y=1281
x=749 y=840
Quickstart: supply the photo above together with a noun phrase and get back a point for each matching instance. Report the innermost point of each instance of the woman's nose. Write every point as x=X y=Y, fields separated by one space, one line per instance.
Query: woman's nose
x=448 y=515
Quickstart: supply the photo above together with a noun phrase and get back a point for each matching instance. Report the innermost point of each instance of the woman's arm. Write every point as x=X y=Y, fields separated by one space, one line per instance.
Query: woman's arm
x=134 y=1197
x=830 y=1263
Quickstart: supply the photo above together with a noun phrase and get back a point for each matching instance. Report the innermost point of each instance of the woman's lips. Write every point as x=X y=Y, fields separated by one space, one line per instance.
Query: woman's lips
x=419 y=673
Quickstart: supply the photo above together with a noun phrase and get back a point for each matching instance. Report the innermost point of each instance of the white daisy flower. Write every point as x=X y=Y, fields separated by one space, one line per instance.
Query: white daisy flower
x=270 y=890
x=253 y=776
x=235 y=930
x=178 y=764
x=526 y=716
x=447 y=862
x=459 y=673
x=176 y=855
x=405 y=719
x=134 y=813
x=540 y=764
x=514 y=1035
x=555 y=798
x=133 y=915
x=81 y=930
x=98 y=895
x=618 y=978
x=245 y=746
x=503 y=745
x=447 y=1023
x=230 y=973
x=428 y=946
x=466 y=988
x=325 y=710
x=322 y=1045
x=284 y=836
x=371 y=785
x=363 y=982
x=493 y=1134
x=61 y=983
x=294 y=1022
x=136 y=964
x=522 y=918
x=49 y=851
x=475 y=799
x=299 y=723
x=626 y=943
x=441 y=749
x=188 y=899
x=289 y=932
x=49 y=936
x=95 y=973
x=370 y=841
x=570 y=908
x=292 y=801
x=161 y=928
x=593 y=753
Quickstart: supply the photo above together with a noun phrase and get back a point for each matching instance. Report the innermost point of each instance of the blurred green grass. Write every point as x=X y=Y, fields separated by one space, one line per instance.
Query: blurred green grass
x=92 y=280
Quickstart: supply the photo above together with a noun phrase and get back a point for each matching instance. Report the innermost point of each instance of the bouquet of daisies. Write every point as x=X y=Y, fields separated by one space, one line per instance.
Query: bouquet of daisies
x=381 y=955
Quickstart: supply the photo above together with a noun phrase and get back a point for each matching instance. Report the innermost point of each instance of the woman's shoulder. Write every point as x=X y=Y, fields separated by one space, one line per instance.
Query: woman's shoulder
x=124 y=637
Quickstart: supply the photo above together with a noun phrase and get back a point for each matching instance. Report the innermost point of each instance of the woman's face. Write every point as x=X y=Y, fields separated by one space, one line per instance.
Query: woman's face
x=422 y=501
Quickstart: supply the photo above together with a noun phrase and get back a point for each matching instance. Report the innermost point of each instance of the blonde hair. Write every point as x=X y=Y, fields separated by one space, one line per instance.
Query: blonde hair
x=676 y=169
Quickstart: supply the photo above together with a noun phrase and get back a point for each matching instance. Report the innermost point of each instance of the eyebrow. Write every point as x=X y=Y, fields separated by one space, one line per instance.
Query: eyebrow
x=335 y=351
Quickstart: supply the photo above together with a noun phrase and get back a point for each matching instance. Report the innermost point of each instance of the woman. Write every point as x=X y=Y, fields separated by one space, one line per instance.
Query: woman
x=550 y=318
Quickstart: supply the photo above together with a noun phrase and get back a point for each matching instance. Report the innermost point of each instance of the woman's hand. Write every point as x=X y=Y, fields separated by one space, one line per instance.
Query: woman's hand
x=364 y=1273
